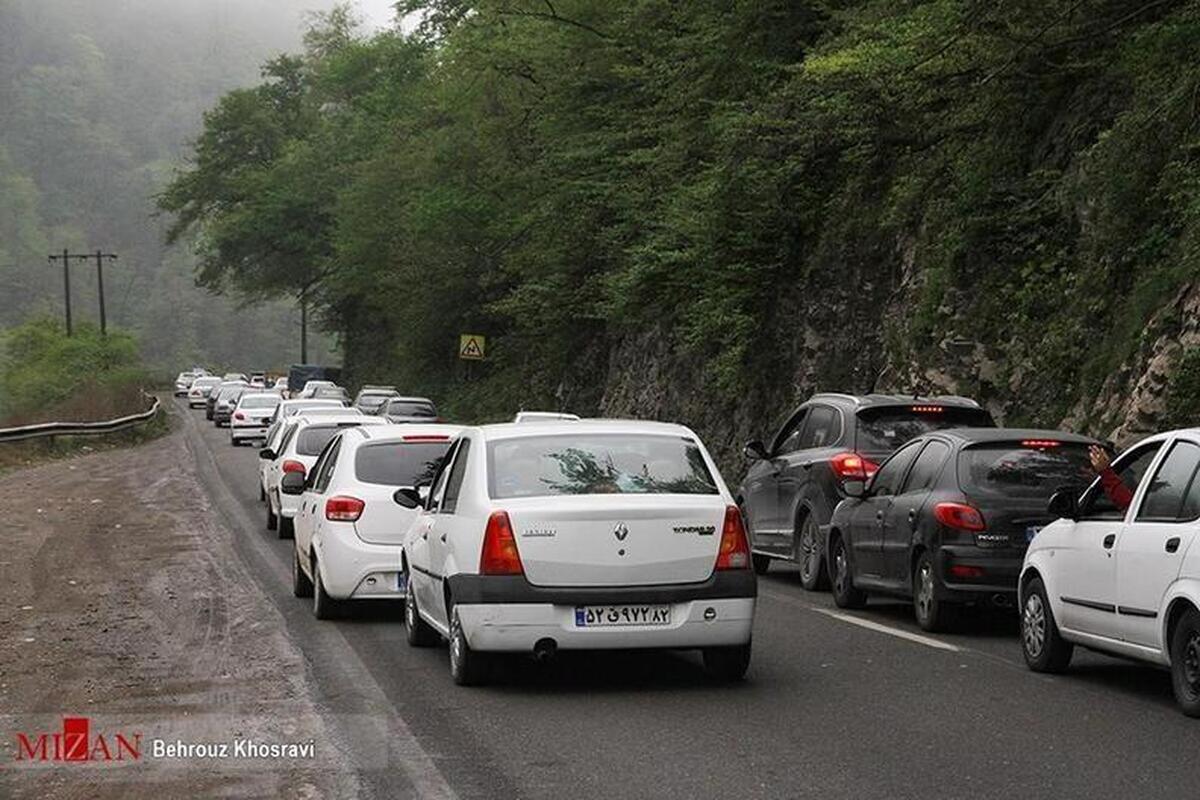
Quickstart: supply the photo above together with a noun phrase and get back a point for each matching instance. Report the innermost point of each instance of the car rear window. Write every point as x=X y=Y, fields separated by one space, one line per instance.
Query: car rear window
x=399 y=463
x=312 y=440
x=259 y=402
x=406 y=408
x=1035 y=470
x=597 y=464
x=882 y=430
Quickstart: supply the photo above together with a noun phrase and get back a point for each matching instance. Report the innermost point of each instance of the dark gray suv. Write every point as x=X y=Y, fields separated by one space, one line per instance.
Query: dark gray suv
x=796 y=480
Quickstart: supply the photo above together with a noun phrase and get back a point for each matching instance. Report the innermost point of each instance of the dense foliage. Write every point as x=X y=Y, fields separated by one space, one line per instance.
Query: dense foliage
x=906 y=181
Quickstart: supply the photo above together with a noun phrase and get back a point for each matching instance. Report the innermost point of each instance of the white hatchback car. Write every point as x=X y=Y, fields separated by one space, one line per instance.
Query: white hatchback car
x=596 y=535
x=350 y=528
x=297 y=451
x=252 y=416
x=1120 y=570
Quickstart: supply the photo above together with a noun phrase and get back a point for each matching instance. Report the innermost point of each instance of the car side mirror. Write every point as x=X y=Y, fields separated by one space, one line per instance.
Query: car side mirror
x=292 y=483
x=856 y=489
x=408 y=497
x=1064 y=504
x=268 y=454
x=754 y=450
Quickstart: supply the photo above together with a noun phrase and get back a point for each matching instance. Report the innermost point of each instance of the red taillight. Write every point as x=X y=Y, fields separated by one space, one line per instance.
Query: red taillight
x=960 y=516
x=426 y=439
x=928 y=409
x=341 y=508
x=734 y=552
x=500 y=555
x=852 y=467
x=294 y=466
x=1040 y=443
x=238 y=415
x=965 y=571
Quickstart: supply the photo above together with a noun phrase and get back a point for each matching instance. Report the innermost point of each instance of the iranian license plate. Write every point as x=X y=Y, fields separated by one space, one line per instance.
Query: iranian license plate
x=621 y=616
x=1032 y=531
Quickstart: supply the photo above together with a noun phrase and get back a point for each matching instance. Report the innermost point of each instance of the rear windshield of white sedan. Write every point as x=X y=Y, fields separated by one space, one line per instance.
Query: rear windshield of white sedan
x=399 y=463
x=597 y=464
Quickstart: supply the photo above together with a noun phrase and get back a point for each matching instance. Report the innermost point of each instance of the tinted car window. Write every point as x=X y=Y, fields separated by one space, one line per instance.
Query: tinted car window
x=1130 y=468
x=312 y=439
x=407 y=408
x=1010 y=469
x=399 y=463
x=326 y=471
x=788 y=440
x=1164 y=495
x=882 y=430
x=454 y=482
x=616 y=463
x=821 y=429
x=887 y=480
x=927 y=467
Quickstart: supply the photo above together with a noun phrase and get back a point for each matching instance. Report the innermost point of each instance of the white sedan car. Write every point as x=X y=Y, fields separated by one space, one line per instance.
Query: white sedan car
x=350 y=528
x=298 y=449
x=1120 y=571
x=197 y=395
x=252 y=416
x=596 y=535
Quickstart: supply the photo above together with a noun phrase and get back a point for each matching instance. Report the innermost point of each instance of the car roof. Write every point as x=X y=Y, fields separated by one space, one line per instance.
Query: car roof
x=988 y=435
x=877 y=400
x=391 y=432
x=410 y=399
x=514 y=430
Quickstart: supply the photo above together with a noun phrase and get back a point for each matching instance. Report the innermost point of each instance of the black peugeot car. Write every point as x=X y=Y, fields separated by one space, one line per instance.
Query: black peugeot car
x=946 y=520
x=795 y=481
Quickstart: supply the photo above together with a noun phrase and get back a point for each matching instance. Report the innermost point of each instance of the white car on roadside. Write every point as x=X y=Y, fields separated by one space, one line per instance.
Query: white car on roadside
x=183 y=382
x=1119 y=572
x=298 y=449
x=597 y=535
x=252 y=416
x=197 y=395
x=350 y=529
x=283 y=416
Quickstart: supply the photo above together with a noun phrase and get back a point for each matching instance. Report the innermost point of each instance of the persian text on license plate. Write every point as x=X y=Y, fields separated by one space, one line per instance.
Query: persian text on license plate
x=618 y=616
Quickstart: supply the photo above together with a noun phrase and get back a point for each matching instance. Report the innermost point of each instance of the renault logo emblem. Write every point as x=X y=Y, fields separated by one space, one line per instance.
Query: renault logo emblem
x=621 y=531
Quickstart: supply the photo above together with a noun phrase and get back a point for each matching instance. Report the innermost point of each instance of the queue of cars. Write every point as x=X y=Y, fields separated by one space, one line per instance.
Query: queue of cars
x=553 y=532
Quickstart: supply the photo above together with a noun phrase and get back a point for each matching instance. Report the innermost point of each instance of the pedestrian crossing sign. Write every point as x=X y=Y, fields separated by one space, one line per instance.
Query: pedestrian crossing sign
x=471 y=346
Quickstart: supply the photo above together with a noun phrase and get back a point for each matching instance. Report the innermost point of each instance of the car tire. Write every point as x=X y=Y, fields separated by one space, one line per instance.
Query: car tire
x=287 y=527
x=417 y=631
x=272 y=518
x=761 y=563
x=932 y=613
x=1043 y=647
x=302 y=585
x=467 y=667
x=323 y=606
x=1185 y=662
x=845 y=594
x=726 y=664
x=809 y=556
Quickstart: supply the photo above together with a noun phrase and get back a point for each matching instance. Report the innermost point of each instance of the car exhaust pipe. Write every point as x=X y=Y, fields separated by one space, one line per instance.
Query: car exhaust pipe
x=545 y=650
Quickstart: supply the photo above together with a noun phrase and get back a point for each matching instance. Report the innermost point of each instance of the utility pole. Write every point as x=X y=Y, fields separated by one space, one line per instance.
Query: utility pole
x=100 y=255
x=304 y=325
x=66 y=261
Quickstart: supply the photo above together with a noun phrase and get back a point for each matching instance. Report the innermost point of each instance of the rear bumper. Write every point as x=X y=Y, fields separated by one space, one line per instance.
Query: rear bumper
x=517 y=627
x=352 y=568
x=1001 y=571
x=247 y=431
x=489 y=589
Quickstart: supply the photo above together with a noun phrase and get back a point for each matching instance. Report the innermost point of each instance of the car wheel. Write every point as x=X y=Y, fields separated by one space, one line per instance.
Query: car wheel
x=418 y=632
x=324 y=606
x=302 y=585
x=287 y=527
x=932 y=613
x=726 y=664
x=1043 y=647
x=813 y=575
x=761 y=563
x=467 y=667
x=845 y=595
x=1185 y=662
x=272 y=519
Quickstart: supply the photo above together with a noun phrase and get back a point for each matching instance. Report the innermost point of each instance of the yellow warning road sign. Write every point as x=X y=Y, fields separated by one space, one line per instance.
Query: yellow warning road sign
x=471 y=346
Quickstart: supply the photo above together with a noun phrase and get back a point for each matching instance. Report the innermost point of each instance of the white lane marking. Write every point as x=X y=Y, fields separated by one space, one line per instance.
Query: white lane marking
x=868 y=624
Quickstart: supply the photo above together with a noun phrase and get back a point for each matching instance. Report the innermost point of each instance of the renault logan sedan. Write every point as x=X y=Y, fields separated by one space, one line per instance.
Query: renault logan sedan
x=595 y=535
x=1119 y=572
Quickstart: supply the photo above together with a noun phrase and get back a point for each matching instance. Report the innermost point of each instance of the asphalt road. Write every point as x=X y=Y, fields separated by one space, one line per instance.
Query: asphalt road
x=836 y=705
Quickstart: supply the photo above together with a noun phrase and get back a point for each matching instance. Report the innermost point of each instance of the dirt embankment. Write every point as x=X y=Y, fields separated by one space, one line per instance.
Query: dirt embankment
x=121 y=599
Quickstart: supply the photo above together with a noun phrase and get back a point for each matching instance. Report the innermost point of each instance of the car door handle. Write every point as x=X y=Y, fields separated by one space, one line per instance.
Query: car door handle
x=1109 y=540
x=1173 y=544
x=912 y=517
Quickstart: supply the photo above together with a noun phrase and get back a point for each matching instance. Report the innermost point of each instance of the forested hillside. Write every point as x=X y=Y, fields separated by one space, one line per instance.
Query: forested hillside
x=98 y=102
x=705 y=211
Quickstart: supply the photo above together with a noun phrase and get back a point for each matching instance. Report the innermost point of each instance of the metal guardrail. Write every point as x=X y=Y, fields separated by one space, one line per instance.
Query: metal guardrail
x=45 y=429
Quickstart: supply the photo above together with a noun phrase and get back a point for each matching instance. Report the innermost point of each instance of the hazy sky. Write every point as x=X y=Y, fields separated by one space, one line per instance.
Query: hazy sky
x=377 y=13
